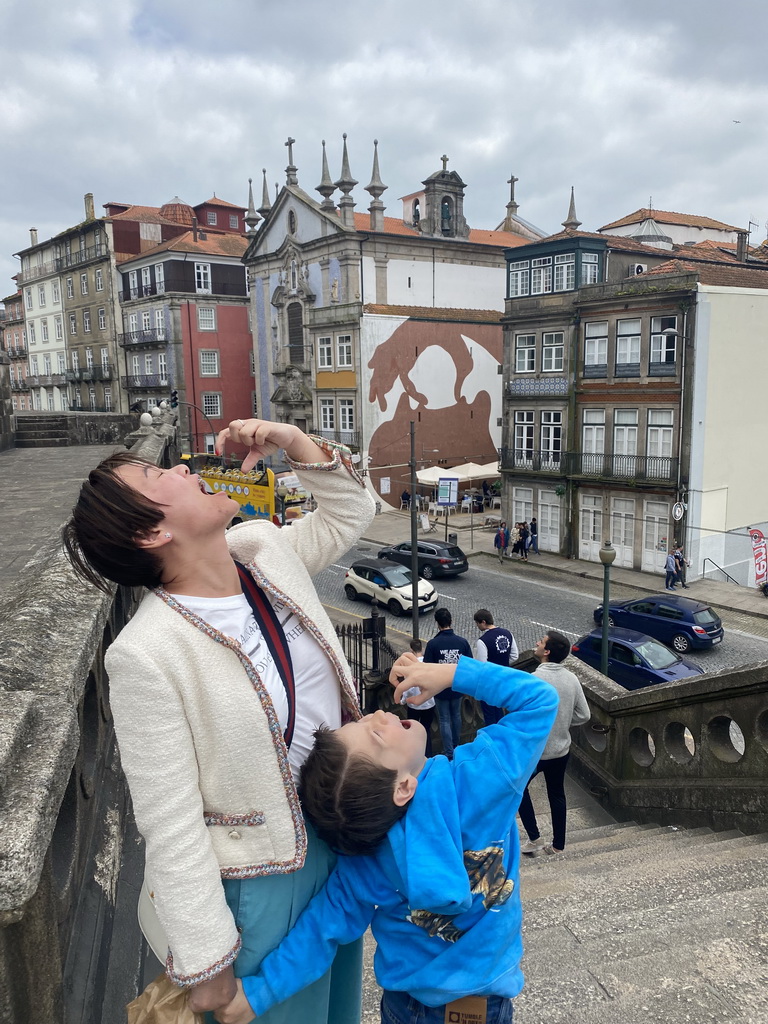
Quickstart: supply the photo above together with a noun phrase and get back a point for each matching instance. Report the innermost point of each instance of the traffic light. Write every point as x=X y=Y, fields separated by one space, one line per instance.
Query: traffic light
x=174 y=399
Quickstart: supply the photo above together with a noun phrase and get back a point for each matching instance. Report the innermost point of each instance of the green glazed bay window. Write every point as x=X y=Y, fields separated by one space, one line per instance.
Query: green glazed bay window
x=543 y=275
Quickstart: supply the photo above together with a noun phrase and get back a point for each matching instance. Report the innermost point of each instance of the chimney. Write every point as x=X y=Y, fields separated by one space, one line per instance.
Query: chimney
x=194 y=228
x=33 y=236
x=89 y=212
x=742 y=238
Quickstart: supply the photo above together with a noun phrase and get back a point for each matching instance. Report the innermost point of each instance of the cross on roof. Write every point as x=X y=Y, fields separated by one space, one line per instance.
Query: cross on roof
x=444 y=158
x=511 y=181
x=289 y=144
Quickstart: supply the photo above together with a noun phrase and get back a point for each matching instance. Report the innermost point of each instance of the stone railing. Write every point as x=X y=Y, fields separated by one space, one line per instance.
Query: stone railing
x=69 y=945
x=689 y=753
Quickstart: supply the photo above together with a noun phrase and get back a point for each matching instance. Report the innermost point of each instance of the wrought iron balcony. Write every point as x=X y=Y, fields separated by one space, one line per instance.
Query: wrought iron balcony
x=17 y=352
x=351 y=438
x=587 y=464
x=133 y=338
x=142 y=381
x=46 y=380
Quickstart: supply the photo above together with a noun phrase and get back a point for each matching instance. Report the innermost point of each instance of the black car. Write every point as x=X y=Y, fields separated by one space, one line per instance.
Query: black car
x=436 y=558
x=679 y=622
x=634 y=659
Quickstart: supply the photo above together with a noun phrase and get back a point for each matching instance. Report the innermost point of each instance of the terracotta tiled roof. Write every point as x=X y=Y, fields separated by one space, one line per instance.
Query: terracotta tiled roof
x=215 y=201
x=145 y=214
x=613 y=241
x=491 y=316
x=667 y=217
x=395 y=226
x=726 y=275
x=214 y=244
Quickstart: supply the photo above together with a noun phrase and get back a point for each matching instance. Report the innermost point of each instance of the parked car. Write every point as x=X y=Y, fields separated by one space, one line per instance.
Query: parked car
x=436 y=558
x=634 y=659
x=679 y=622
x=390 y=584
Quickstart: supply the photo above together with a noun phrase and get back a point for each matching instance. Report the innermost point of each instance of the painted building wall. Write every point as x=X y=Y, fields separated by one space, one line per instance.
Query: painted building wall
x=728 y=485
x=419 y=282
x=444 y=376
x=234 y=382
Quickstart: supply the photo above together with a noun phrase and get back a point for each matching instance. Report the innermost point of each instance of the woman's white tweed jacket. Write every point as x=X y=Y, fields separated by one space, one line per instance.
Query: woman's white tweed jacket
x=199 y=740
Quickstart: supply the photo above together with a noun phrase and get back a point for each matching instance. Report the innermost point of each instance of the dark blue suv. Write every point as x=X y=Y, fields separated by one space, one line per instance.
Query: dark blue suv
x=679 y=622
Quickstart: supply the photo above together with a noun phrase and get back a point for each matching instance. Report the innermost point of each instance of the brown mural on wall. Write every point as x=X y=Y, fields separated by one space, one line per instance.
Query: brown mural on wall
x=444 y=376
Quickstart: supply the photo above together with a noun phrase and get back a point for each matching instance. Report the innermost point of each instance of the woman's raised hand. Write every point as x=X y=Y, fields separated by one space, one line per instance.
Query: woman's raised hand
x=263 y=438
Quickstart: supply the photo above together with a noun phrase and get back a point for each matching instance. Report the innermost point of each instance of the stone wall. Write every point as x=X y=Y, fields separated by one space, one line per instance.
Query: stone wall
x=70 y=861
x=690 y=753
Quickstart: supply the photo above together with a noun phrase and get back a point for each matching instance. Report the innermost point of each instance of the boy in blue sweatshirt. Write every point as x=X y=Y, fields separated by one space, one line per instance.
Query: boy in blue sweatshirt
x=438 y=885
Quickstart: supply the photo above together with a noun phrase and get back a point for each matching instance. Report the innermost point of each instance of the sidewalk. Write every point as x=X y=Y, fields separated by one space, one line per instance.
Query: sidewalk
x=394 y=527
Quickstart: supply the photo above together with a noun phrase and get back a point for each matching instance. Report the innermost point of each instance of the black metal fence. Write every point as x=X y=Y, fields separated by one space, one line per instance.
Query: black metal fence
x=370 y=656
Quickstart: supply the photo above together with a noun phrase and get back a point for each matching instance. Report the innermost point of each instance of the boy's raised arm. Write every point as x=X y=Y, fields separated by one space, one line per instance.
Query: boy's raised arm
x=334 y=917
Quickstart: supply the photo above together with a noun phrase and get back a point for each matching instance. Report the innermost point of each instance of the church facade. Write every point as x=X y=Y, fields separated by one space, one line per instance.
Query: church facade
x=362 y=322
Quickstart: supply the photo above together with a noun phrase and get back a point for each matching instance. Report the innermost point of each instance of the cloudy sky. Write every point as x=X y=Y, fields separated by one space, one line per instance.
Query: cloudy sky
x=141 y=100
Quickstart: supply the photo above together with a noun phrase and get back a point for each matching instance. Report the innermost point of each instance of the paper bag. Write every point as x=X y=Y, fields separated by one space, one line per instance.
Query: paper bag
x=162 y=1002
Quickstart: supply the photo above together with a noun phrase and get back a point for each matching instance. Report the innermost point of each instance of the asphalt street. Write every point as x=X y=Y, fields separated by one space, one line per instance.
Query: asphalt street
x=528 y=600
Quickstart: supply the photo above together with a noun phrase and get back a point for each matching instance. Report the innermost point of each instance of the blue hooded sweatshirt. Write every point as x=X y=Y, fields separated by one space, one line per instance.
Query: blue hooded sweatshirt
x=441 y=892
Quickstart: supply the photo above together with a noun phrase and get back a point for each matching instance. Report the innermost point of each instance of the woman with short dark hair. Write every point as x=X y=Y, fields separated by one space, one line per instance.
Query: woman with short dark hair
x=217 y=685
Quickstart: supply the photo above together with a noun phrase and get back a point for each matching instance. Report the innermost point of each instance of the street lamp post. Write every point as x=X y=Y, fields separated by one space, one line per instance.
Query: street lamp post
x=282 y=494
x=607 y=555
x=414 y=539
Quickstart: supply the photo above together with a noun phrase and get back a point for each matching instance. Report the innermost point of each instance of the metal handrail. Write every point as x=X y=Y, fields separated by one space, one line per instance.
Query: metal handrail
x=720 y=568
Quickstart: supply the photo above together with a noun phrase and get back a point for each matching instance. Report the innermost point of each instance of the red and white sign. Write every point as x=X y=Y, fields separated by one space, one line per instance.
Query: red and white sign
x=760 y=552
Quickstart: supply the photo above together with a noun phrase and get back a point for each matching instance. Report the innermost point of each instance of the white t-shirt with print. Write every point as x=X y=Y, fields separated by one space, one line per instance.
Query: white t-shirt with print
x=317 y=688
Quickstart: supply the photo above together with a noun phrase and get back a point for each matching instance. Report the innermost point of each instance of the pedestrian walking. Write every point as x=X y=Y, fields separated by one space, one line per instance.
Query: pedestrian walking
x=681 y=564
x=525 y=537
x=534 y=539
x=572 y=710
x=445 y=649
x=501 y=541
x=514 y=539
x=497 y=645
x=670 y=567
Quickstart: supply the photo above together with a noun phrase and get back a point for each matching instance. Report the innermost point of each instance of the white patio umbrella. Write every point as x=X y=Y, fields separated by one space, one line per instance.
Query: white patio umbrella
x=433 y=474
x=490 y=469
x=468 y=471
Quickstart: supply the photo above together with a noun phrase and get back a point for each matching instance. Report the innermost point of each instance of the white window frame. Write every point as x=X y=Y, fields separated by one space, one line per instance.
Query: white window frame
x=162 y=365
x=519 y=278
x=62 y=361
x=146 y=320
x=625 y=432
x=524 y=434
x=590 y=268
x=148 y=364
x=146 y=280
x=55 y=292
x=31 y=332
x=41 y=295
x=346 y=414
x=211 y=218
x=541 y=275
x=210 y=402
x=104 y=354
x=83 y=284
x=234 y=221
x=70 y=288
x=99 y=280
x=44 y=330
x=326 y=408
x=89 y=358
x=565 y=272
x=596 y=343
x=204 y=323
x=628 y=342
x=209 y=362
x=58 y=327
x=344 y=352
x=325 y=353
x=552 y=352
x=160 y=324
x=133 y=323
x=525 y=353
x=73 y=324
x=133 y=283
x=107 y=399
x=75 y=357
x=203 y=278
x=47 y=364
x=102 y=315
x=593 y=432
x=663 y=346
x=28 y=297
x=160 y=278
x=86 y=321
x=660 y=436
x=551 y=434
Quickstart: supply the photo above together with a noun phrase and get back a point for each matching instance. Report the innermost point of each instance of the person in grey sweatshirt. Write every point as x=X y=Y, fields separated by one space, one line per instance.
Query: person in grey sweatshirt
x=573 y=709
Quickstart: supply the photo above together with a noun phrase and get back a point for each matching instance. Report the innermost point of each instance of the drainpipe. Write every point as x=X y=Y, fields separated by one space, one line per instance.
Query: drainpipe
x=570 y=551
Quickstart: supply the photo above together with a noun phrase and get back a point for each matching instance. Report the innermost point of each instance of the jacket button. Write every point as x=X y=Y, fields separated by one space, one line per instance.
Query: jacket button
x=234 y=834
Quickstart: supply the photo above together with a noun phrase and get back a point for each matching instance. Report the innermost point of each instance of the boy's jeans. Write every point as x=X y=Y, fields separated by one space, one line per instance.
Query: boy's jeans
x=400 y=1008
x=449 y=719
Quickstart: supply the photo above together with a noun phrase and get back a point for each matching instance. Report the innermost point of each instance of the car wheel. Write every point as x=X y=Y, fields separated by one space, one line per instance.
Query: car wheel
x=428 y=572
x=681 y=643
x=395 y=607
x=350 y=591
x=610 y=621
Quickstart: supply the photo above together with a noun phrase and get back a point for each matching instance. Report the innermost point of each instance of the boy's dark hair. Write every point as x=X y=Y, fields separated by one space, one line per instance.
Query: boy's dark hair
x=443 y=618
x=483 y=615
x=348 y=799
x=416 y=646
x=559 y=646
x=100 y=537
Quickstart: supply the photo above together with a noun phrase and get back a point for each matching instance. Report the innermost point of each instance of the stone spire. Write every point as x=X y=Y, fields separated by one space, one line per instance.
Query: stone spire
x=572 y=222
x=345 y=184
x=266 y=202
x=512 y=205
x=251 y=218
x=375 y=188
x=326 y=188
x=291 y=176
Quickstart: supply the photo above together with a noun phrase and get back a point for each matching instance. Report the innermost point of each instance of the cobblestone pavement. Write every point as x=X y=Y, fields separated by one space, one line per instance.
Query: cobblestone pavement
x=529 y=600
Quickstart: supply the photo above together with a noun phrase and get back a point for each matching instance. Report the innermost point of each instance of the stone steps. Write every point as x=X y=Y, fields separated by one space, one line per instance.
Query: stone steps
x=642 y=924
x=46 y=430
